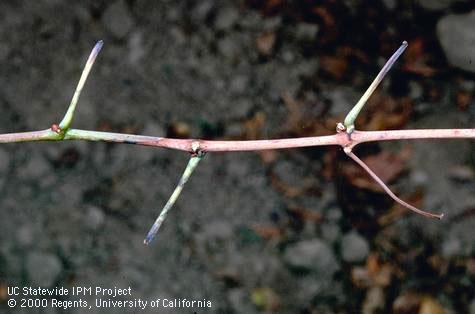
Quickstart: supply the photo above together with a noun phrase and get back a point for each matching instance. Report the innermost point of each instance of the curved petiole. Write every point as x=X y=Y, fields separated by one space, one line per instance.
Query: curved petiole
x=386 y=188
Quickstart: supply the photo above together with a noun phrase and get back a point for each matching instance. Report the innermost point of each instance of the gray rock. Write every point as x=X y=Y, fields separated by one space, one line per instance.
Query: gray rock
x=342 y=100
x=153 y=128
x=415 y=90
x=136 y=48
x=229 y=47
x=390 y=4
x=26 y=235
x=226 y=18
x=4 y=161
x=118 y=20
x=240 y=301
x=308 y=288
x=43 y=268
x=333 y=214
x=289 y=172
x=455 y=33
x=239 y=84
x=331 y=232
x=35 y=167
x=354 y=248
x=272 y=23
x=218 y=230
x=201 y=10
x=451 y=247
x=306 y=31
x=239 y=109
x=313 y=255
x=94 y=218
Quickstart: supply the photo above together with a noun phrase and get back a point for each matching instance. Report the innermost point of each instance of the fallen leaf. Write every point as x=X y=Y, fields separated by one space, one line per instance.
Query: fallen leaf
x=374 y=301
x=374 y=274
x=268 y=232
x=430 y=306
x=265 y=299
x=3 y=292
x=335 y=66
x=471 y=266
x=302 y=120
x=384 y=112
x=407 y=303
x=306 y=214
x=328 y=23
x=268 y=156
x=253 y=126
x=291 y=190
x=178 y=129
x=463 y=100
x=295 y=113
x=265 y=43
x=416 y=59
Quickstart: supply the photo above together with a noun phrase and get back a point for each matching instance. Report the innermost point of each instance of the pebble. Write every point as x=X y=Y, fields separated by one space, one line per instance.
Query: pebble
x=43 y=268
x=201 y=11
x=4 y=161
x=239 y=301
x=390 y=4
x=289 y=172
x=94 y=218
x=331 y=232
x=314 y=255
x=218 y=230
x=354 y=248
x=239 y=84
x=240 y=109
x=342 y=100
x=455 y=33
x=451 y=247
x=226 y=18
x=118 y=20
x=136 y=48
x=228 y=47
x=306 y=31
x=35 y=167
x=26 y=235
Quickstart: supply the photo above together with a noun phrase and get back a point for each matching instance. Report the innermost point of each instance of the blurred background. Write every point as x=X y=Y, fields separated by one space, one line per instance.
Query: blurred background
x=291 y=231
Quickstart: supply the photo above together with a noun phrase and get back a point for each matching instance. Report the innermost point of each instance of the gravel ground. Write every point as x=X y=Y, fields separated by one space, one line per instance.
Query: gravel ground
x=285 y=232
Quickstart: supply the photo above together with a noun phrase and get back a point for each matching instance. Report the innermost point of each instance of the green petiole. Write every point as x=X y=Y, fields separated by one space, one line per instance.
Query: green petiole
x=353 y=114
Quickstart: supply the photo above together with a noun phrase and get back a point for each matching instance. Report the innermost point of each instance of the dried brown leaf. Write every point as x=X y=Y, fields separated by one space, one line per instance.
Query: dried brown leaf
x=430 y=306
x=416 y=59
x=335 y=66
x=253 y=126
x=265 y=43
x=267 y=232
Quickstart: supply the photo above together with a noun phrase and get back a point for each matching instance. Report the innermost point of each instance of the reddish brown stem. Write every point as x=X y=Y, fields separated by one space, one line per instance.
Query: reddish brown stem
x=341 y=139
